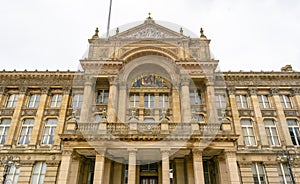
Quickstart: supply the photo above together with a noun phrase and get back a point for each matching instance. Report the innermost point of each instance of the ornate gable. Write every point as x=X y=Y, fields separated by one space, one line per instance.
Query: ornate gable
x=149 y=30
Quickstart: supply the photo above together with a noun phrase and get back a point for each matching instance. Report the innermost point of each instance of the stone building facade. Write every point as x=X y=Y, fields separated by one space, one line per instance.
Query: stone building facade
x=150 y=107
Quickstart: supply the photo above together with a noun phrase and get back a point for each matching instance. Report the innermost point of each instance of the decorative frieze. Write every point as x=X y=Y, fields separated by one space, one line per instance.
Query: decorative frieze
x=231 y=90
x=29 y=112
x=274 y=91
x=295 y=91
x=252 y=91
x=51 y=112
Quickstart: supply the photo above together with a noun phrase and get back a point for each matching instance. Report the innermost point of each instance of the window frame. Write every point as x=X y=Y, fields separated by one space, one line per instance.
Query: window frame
x=283 y=174
x=221 y=103
x=256 y=173
x=40 y=174
x=296 y=130
x=28 y=131
x=34 y=103
x=163 y=100
x=77 y=100
x=13 y=174
x=286 y=101
x=264 y=101
x=55 y=101
x=149 y=100
x=196 y=95
x=50 y=134
x=134 y=100
x=5 y=129
x=12 y=100
x=242 y=101
x=248 y=136
x=271 y=137
x=102 y=96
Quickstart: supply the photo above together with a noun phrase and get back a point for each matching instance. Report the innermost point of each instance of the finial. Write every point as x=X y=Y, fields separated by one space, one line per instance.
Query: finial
x=202 y=33
x=181 y=30
x=149 y=16
x=117 y=31
x=95 y=36
x=96 y=32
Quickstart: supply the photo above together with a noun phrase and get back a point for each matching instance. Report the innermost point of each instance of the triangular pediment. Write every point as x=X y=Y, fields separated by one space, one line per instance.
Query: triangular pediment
x=149 y=30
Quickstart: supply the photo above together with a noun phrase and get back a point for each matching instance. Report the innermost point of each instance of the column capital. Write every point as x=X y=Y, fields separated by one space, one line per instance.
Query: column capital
x=132 y=151
x=45 y=90
x=68 y=152
x=165 y=150
x=3 y=89
x=210 y=80
x=89 y=80
x=185 y=81
x=252 y=91
x=66 y=90
x=295 y=91
x=231 y=90
x=100 y=151
x=23 y=90
x=230 y=153
x=113 y=81
x=197 y=154
x=274 y=91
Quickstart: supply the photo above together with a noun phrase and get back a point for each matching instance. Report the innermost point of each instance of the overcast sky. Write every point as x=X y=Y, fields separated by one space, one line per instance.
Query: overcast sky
x=246 y=34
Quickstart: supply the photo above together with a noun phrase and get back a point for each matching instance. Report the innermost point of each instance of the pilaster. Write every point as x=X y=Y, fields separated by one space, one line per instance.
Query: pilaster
x=51 y=171
x=176 y=104
x=296 y=94
x=272 y=172
x=231 y=163
x=189 y=170
x=99 y=166
x=165 y=166
x=26 y=170
x=65 y=167
x=246 y=172
x=132 y=165
x=88 y=96
x=112 y=100
x=3 y=93
x=185 y=100
x=179 y=169
x=122 y=102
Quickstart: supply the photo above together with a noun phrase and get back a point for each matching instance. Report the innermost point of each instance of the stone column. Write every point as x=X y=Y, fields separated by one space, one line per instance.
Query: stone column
x=39 y=117
x=185 y=100
x=189 y=170
x=75 y=168
x=258 y=117
x=176 y=103
x=3 y=91
x=15 y=124
x=179 y=169
x=62 y=116
x=198 y=166
x=99 y=166
x=51 y=171
x=122 y=102
x=282 y=126
x=159 y=173
x=222 y=170
x=87 y=101
x=107 y=171
x=117 y=173
x=235 y=115
x=210 y=101
x=112 y=100
x=65 y=167
x=132 y=165
x=232 y=168
x=165 y=166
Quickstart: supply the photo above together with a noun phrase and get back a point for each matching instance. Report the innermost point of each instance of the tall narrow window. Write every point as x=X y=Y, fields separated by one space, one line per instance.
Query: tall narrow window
x=149 y=100
x=271 y=131
x=263 y=101
x=163 y=101
x=26 y=131
x=294 y=131
x=242 y=101
x=91 y=173
x=4 y=127
x=134 y=100
x=49 y=131
x=284 y=173
x=259 y=174
x=56 y=100
x=102 y=96
x=77 y=101
x=285 y=101
x=195 y=97
x=38 y=173
x=13 y=175
x=12 y=101
x=34 y=101
x=220 y=101
x=248 y=132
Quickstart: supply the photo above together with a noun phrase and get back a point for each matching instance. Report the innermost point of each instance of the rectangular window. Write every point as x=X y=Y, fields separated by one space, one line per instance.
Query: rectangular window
x=12 y=101
x=77 y=101
x=294 y=131
x=195 y=97
x=49 y=131
x=56 y=100
x=284 y=174
x=285 y=101
x=220 y=101
x=248 y=132
x=34 y=101
x=91 y=173
x=134 y=100
x=149 y=100
x=163 y=101
x=242 y=101
x=102 y=97
x=13 y=175
x=26 y=131
x=263 y=101
x=259 y=174
x=38 y=173
x=271 y=131
x=4 y=127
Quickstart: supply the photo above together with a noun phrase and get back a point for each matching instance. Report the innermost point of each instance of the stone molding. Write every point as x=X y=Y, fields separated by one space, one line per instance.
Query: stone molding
x=252 y=91
x=23 y=90
x=295 y=91
x=231 y=90
x=45 y=90
x=3 y=90
x=274 y=91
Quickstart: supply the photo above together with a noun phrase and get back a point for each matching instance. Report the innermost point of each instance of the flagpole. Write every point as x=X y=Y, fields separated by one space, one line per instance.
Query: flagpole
x=108 y=22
